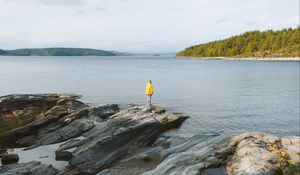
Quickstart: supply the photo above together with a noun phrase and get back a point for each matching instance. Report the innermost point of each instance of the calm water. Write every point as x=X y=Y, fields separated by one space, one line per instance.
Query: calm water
x=220 y=96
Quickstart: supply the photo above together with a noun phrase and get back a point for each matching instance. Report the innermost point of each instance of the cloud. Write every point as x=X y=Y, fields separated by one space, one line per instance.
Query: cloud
x=219 y=21
x=136 y=25
x=70 y=3
x=61 y=2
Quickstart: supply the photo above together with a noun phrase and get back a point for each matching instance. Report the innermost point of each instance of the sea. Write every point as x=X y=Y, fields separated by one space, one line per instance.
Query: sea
x=219 y=96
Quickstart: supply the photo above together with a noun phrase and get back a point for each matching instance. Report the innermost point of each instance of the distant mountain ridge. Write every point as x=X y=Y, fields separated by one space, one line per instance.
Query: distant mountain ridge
x=59 y=51
x=280 y=43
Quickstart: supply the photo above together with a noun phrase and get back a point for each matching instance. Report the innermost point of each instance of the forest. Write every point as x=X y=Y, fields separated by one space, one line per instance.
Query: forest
x=57 y=52
x=270 y=43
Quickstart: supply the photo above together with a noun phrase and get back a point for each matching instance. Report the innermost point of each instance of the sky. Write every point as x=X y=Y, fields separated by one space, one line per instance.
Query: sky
x=138 y=26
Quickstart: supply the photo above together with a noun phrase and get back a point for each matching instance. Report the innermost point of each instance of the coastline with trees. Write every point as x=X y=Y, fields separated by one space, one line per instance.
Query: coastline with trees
x=255 y=45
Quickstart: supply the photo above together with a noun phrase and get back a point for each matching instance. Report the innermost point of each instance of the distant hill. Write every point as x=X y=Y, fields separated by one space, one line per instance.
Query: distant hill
x=59 y=52
x=281 y=43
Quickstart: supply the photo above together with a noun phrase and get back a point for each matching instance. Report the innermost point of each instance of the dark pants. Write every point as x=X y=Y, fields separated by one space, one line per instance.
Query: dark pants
x=149 y=99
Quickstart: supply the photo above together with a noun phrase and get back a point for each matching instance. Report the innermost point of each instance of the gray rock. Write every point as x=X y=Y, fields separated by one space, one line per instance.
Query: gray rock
x=292 y=148
x=101 y=139
x=32 y=168
x=48 y=118
x=215 y=171
x=63 y=155
x=122 y=134
x=9 y=159
x=260 y=153
x=2 y=152
x=104 y=172
x=96 y=135
x=247 y=153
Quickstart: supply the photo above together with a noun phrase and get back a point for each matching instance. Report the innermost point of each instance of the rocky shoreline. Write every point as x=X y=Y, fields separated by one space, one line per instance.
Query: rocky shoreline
x=262 y=58
x=107 y=140
x=245 y=58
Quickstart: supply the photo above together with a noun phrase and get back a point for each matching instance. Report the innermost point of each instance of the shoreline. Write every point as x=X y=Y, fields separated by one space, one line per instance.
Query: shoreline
x=187 y=57
x=244 y=58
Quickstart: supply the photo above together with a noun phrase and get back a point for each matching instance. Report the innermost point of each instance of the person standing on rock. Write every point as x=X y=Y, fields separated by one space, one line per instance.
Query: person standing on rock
x=149 y=91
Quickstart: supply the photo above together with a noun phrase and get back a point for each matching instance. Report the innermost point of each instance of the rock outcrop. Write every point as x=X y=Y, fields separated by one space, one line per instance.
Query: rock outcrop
x=93 y=136
x=118 y=136
x=104 y=140
x=47 y=118
x=32 y=168
x=247 y=153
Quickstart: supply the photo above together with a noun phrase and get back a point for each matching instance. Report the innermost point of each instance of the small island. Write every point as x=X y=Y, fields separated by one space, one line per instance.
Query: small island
x=284 y=44
x=59 y=51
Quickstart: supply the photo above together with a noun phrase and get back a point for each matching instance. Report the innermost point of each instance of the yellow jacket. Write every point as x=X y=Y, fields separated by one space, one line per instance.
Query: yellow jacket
x=149 y=89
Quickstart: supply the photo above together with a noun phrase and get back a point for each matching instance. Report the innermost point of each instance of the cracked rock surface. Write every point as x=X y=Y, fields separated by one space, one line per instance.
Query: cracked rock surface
x=33 y=167
x=92 y=137
x=106 y=140
x=247 y=153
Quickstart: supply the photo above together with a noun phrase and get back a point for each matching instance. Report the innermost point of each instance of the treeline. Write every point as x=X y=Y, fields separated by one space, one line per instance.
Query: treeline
x=58 y=52
x=281 y=43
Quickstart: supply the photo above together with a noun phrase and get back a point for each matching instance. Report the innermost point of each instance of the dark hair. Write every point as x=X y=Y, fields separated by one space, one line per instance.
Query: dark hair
x=150 y=81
